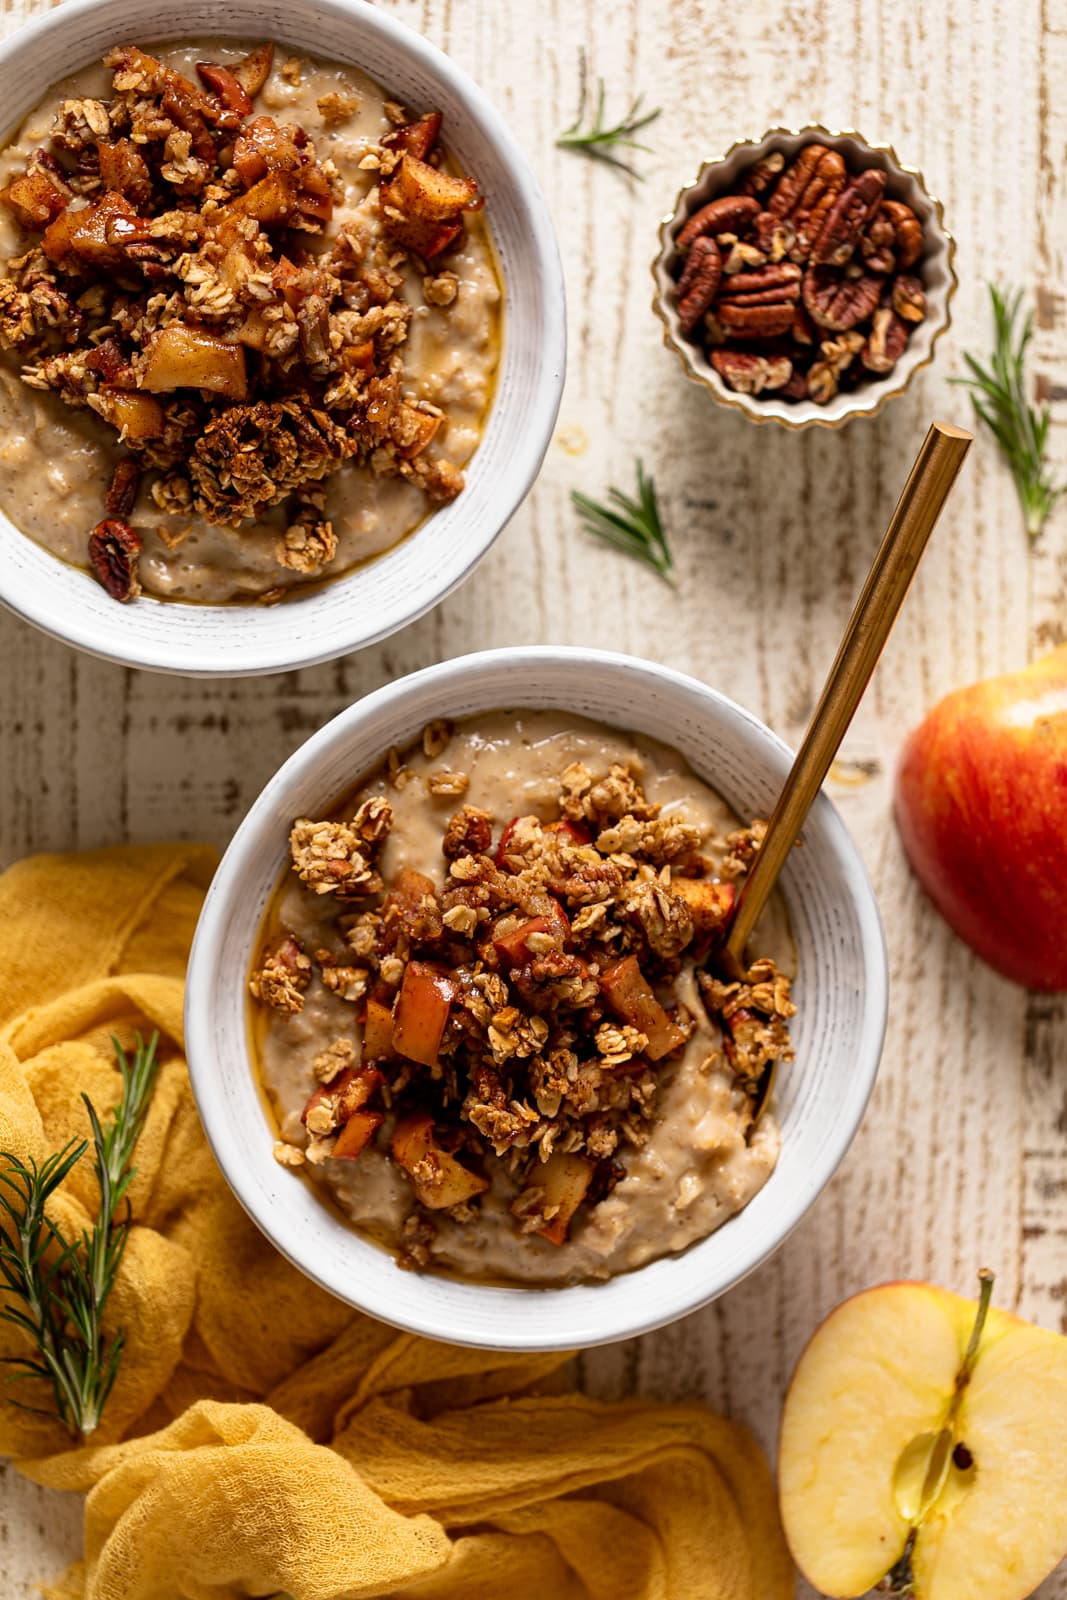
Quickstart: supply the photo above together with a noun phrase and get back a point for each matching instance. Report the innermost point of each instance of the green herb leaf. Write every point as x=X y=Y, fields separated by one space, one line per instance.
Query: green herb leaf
x=632 y=526
x=999 y=397
x=600 y=140
x=58 y=1287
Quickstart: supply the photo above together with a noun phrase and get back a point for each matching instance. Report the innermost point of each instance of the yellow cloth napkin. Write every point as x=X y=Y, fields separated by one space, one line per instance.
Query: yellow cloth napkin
x=261 y=1436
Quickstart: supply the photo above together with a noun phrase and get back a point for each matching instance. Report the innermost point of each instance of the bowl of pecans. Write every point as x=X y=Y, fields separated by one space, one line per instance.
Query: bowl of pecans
x=805 y=277
x=454 y=1021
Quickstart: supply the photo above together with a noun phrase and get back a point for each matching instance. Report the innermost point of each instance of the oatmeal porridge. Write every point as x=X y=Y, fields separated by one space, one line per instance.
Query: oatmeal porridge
x=486 y=1012
x=249 y=321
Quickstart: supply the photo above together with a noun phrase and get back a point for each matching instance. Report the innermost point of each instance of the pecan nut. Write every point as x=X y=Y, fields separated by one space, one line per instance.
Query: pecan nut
x=788 y=195
x=699 y=281
x=751 y=374
x=837 y=355
x=731 y=213
x=907 y=232
x=759 y=177
x=760 y=304
x=122 y=491
x=846 y=219
x=837 y=302
x=114 y=550
x=909 y=300
x=886 y=341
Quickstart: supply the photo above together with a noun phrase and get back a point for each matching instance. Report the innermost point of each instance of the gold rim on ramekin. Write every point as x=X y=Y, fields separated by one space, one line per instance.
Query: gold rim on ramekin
x=759 y=408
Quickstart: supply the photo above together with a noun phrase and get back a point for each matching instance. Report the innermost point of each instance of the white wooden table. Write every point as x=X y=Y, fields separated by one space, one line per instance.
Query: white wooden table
x=963 y=1158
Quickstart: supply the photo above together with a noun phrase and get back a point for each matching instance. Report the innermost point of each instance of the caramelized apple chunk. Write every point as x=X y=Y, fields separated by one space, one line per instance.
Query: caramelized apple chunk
x=184 y=357
x=630 y=996
x=440 y=1181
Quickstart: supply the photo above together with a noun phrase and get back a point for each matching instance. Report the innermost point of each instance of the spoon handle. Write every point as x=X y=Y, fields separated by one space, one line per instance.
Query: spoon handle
x=911 y=525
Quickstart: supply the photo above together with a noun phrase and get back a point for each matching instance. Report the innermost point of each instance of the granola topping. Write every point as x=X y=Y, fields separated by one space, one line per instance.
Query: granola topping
x=215 y=270
x=509 y=1020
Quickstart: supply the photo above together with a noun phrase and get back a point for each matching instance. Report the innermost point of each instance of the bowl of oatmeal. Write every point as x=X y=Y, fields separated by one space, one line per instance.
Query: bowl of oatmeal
x=455 y=1021
x=281 y=330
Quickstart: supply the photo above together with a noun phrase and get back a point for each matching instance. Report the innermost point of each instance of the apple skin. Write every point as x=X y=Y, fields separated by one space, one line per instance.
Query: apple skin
x=981 y=804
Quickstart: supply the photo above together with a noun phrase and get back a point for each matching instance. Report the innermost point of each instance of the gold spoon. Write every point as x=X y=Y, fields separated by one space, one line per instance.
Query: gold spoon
x=910 y=526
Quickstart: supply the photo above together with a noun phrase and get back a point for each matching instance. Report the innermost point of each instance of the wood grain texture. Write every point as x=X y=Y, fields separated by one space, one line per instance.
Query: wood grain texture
x=963 y=1158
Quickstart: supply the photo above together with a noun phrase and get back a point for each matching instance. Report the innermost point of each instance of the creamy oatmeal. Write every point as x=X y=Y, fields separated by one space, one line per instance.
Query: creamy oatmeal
x=249 y=321
x=485 y=1009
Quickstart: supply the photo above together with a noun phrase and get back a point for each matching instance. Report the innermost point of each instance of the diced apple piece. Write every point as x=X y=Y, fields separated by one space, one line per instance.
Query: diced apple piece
x=409 y=890
x=346 y=1094
x=123 y=169
x=416 y=189
x=34 y=199
x=565 y=1180
x=627 y=992
x=96 y=234
x=416 y=138
x=272 y=199
x=439 y=1180
x=356 y=1135
x=513 y=947
x=422 y=1009
x=226 y=85
x=377 y=1032
x=136 y=416
x=253 y=70
x=710 y=904
x=358 y=357
x=181 y=357
x=413 y=430
x=575 y=833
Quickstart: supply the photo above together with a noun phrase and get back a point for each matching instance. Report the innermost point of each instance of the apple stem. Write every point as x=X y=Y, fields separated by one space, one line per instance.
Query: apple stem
x=970 y=1355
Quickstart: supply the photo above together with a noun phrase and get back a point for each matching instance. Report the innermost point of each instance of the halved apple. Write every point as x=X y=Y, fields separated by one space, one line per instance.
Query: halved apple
x=897 y=1442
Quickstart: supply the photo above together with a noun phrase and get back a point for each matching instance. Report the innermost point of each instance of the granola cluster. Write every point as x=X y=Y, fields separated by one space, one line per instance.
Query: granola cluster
x=521 y=1016
x=172 y=285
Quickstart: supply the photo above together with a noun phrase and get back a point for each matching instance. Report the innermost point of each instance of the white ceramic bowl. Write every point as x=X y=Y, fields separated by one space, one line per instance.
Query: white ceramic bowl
x=719 y=176
x=375 y=600
x=838 y=1030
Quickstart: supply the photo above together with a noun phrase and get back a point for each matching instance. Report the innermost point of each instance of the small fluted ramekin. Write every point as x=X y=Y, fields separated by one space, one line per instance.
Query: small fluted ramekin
x=719 y=176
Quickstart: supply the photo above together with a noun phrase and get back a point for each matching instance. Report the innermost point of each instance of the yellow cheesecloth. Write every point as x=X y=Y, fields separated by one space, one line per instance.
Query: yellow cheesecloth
x=262 y=1437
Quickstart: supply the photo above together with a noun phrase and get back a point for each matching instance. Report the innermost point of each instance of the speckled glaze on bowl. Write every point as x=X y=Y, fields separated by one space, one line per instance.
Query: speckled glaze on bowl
x=374 y=600
x=841 y=994
x=717 y=177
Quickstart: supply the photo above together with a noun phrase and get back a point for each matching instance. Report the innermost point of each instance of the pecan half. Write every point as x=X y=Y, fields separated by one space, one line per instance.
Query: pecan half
x=837 y=355
x=758 y=178
x=731 y=213
x=751 y=374
x=907 y=232
x=838 y=302
x=122 y=491
x=886 y=341
x=787 y=197
x=817 y=201
x=760 y=304
x=909 y=300
x=847 y=218
x=114 y=549
x=699 y=281
x=775 y=236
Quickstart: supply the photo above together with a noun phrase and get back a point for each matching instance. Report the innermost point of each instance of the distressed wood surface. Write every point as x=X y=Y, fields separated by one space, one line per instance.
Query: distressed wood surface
x=963 y=1157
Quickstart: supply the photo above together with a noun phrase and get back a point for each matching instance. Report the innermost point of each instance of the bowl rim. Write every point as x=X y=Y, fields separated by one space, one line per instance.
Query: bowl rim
x=504 y=1326
x=687 y=352
x=61 y=616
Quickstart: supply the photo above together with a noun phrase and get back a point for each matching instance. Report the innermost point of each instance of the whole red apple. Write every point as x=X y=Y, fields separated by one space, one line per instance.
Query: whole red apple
x=981 y=803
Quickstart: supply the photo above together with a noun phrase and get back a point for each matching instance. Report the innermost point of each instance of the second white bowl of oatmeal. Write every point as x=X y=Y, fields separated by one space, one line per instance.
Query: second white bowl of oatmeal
x=374 y=600
x=841 y=995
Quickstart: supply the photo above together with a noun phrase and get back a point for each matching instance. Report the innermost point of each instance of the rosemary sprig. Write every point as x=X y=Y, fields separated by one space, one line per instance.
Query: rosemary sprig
x=57 y=1288
x=999 y=397
x=600 y=141
x=634 y=527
